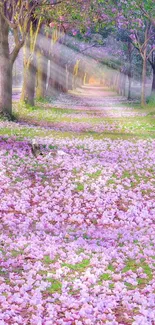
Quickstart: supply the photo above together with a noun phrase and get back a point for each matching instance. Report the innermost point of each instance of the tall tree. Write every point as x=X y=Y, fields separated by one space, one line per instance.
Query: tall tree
x=15 y=15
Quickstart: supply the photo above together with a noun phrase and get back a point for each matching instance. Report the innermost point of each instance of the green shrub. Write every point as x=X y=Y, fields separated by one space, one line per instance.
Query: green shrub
x=151 y=99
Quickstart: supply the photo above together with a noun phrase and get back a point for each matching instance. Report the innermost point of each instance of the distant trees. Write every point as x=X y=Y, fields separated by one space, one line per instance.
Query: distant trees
x=44 y=27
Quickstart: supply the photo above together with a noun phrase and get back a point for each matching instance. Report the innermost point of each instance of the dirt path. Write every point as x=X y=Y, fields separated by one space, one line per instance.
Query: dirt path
x=89 y=109
x=91 y=99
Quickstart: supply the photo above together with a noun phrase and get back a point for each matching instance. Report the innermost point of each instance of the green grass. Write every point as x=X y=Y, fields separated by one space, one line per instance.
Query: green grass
x=79 y=187
x=94 y=175
x=139 y=126
x=111 y=267
x=16 y=253
x=55 y=286
x=132 y=265
x=42 y=107
x=151 y=101
x=27 y=132
x=149 y=107
x=48 y=260
x=43 y=114
x=105 y=277
x=78 y=266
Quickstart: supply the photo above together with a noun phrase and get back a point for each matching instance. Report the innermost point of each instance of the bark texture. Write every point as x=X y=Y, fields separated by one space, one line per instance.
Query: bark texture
x=29 y=82
x=143 y=91
x=153 y=81
x=5 y=70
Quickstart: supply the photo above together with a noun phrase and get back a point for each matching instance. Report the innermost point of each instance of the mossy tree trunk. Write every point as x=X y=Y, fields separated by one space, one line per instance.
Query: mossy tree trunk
x=30 y=63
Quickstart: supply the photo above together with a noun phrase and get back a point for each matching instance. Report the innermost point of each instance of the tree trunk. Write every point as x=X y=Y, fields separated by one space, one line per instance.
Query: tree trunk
x=80 y=79
x=86 y=78
x=143 y=90
x=42 y=64
x=5 y=71
x=70 y=80
x=83 y=75
x=153 y=81
x=28 y=89
x=120 y=83
x=115 y=81
x=63 y=75
x=124 y=85
x=129 y=87
x=129 y=69
x=51 y=81
x=29 y=82
x=144 y=57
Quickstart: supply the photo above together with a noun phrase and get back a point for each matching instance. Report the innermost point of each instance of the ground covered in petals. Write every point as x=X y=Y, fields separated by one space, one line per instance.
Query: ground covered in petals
x=77 y=230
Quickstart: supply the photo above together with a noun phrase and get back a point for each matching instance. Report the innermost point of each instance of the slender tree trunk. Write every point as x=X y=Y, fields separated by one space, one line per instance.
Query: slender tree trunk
x=86 y=81
x=84 y=78
x=83 y=74
x=129 y=87
x=120 y=83
x=28 y=89
x=124 y=85
x=42 y=64
x=75 y=74
x=29 y=82
x=153 y=81
x=50 y=81
x=143 y=90
x=115 y=82
x=30 y=50
x=5 y=71
x=130 y=69
x=70 y=80
x=59 y=70
x=51 y=88
x=62 y=72
x=81 y=79
x=67 y=77
x=144 y=57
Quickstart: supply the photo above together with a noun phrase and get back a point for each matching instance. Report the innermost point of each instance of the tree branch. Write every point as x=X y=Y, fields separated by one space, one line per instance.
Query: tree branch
x=152 y=50
x=11 y=25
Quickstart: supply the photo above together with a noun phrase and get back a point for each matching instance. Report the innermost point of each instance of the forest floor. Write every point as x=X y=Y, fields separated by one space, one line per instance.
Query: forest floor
x=77 y=231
